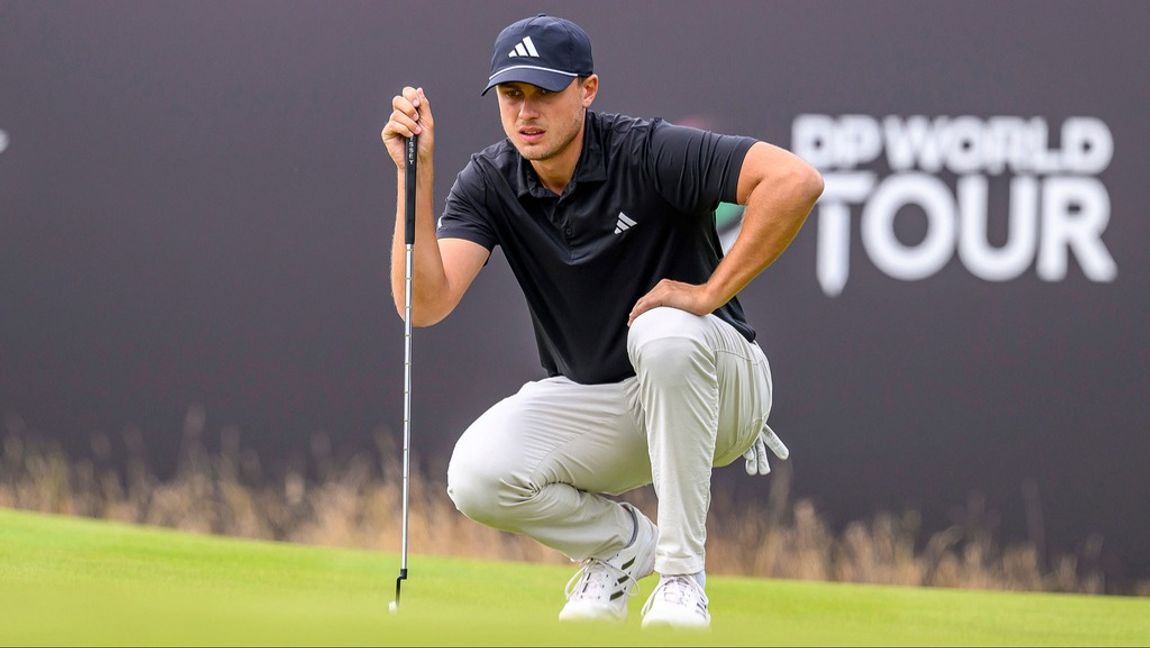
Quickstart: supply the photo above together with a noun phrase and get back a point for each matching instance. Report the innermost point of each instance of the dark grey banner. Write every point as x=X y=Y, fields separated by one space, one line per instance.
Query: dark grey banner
x=195 y=208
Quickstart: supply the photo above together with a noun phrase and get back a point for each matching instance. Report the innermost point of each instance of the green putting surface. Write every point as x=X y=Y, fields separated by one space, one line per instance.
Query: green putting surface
x=70 y=581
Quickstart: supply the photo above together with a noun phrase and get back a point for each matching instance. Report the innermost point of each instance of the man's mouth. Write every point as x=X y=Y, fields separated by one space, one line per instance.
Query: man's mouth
x=531 y=134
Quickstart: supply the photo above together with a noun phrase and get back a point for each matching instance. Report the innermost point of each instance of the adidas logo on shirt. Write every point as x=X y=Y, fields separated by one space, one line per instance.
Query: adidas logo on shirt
x=624 y=223
x=524 y=48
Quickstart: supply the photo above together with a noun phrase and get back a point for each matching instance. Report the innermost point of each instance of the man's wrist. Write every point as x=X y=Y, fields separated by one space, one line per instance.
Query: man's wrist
x=423 y=175
x=713 y=296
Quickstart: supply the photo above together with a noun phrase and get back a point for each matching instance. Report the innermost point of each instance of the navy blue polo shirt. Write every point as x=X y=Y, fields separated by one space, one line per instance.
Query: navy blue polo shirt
x=640 y=208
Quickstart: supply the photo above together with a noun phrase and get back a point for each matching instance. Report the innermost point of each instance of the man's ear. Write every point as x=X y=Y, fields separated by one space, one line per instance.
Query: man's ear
x=590 y=89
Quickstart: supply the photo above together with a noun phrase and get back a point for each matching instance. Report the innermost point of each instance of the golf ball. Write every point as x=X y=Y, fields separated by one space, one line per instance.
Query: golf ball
x=392 y=607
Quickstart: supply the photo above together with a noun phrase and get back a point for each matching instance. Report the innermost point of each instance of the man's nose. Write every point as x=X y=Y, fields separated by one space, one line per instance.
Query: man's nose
x=527 y=109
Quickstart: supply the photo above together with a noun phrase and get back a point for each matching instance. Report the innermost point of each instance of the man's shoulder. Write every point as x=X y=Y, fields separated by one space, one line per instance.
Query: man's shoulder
x=498 y=150
x=623 y=139
x=500 y=156
x=612 y=125
x=498 y=159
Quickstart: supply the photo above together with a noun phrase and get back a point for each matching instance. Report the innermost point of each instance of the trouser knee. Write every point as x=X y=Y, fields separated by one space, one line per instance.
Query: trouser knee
x=485 y=492
x=472 y=490
x=667 y=344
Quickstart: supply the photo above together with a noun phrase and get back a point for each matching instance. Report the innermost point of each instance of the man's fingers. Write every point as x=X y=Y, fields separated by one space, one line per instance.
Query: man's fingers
x=673 y=294
x=642 y=306
x=653 y=299
x=415 y=104
x=424 y=106
x=411 y=94
x=401 y=120
x=638 y=309
x=408 y=105
x=395 y=129
x=406 y=120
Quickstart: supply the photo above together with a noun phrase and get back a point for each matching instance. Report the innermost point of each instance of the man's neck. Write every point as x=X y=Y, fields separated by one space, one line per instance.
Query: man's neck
x=555 y=173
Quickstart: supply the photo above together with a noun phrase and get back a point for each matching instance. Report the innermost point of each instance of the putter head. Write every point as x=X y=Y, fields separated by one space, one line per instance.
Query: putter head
x=393 y=607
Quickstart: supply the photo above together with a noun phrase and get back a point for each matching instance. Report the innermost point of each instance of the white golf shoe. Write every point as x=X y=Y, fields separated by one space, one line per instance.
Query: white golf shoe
x=678 y=602
x=600 y=589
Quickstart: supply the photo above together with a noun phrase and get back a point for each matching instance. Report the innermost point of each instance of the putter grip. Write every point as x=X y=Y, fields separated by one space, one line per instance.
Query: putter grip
x=409 y=192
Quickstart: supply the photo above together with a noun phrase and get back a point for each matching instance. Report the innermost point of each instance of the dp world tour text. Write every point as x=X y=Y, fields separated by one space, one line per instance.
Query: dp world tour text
x=1056 y=206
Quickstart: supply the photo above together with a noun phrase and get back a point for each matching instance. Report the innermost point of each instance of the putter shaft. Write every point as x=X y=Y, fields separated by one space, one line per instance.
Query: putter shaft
x=409 y=245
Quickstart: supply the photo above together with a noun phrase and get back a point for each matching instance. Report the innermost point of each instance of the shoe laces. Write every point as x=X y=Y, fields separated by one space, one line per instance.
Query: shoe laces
x=597 y=578
x=679 y=590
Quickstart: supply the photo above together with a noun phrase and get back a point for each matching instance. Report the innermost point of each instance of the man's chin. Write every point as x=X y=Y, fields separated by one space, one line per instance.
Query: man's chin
x=533 y=153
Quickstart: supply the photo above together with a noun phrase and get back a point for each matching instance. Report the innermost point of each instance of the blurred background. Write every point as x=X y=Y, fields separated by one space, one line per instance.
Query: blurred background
x=196 y=210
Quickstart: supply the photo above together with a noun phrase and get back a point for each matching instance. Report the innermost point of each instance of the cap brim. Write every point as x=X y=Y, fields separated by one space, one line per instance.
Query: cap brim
x=552 y=80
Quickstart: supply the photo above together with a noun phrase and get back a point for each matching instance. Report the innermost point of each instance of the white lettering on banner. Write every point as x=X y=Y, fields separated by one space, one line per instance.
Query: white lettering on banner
x=1075 y=211
x=833 y=260
x=978 y=255
x=1056 y=206
x=891 y=256
x=3 y=141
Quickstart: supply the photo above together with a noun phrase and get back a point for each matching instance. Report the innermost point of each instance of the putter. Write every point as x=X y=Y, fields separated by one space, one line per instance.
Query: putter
x=409 y=244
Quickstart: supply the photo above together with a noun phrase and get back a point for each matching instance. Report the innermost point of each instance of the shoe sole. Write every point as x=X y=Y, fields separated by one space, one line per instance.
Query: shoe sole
x=665 y=624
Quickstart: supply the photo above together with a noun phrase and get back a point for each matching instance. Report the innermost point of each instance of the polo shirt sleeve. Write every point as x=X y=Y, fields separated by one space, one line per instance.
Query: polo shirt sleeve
x=694 y=169
x=464 y=215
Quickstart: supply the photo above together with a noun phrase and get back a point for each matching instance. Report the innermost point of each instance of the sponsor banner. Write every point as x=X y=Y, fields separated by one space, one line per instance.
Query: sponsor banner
x=1058 y=207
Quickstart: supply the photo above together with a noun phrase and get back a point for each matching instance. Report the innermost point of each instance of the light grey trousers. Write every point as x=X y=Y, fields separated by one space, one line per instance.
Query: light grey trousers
x=537 y=463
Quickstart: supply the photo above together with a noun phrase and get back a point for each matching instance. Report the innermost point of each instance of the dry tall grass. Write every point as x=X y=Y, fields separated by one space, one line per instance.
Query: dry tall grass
x=356 y=503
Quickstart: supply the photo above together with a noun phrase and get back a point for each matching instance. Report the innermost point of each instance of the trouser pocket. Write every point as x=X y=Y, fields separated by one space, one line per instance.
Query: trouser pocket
x=745 y=398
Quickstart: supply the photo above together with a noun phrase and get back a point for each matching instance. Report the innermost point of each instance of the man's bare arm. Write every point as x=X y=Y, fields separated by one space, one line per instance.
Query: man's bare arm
x=442 y=270
x=779 y=190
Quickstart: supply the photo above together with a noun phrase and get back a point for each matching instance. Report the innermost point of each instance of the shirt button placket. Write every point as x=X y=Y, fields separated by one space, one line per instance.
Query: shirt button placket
x=560 y=218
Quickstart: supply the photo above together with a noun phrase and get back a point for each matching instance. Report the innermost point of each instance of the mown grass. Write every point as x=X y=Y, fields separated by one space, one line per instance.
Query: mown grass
x=70 y=581
x=354 y=502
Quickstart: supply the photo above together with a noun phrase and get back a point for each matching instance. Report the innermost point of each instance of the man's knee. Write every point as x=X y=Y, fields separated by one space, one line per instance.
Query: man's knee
x=471 y=487
x=483 y=489
x=667 y=343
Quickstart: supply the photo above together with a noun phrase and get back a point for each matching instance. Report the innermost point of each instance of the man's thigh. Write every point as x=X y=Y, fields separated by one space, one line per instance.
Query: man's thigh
x=559 y=431
x=735 y=370
x=745 y=391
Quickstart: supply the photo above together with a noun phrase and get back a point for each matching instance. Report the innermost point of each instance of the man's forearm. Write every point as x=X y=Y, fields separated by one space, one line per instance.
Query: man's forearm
x=773 y=216
x=428 y=276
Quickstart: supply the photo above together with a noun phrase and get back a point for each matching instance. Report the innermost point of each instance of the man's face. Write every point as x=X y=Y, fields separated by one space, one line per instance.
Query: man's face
x=540 y=123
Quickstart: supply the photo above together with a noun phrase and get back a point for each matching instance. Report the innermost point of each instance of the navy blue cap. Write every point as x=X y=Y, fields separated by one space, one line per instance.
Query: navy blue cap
x=543 y=50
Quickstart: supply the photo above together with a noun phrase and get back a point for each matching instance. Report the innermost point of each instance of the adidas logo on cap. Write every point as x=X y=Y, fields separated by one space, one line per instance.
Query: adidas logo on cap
x=524 y=48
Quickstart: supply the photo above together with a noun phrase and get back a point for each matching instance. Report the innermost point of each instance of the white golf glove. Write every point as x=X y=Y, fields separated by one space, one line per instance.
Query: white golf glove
x=757 y=456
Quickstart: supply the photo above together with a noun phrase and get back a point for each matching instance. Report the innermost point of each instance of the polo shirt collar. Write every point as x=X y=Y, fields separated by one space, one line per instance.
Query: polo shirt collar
x=589 y=168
